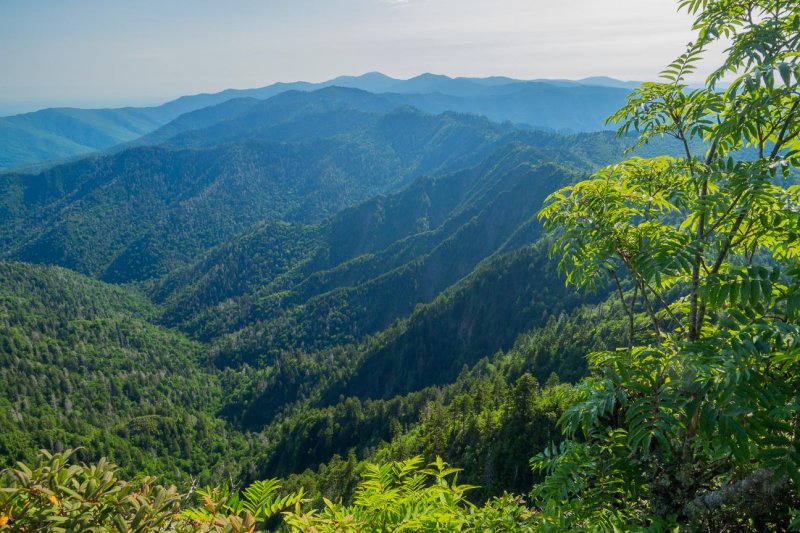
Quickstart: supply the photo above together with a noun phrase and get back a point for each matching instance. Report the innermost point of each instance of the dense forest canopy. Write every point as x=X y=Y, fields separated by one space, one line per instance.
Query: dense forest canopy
x=465 y=326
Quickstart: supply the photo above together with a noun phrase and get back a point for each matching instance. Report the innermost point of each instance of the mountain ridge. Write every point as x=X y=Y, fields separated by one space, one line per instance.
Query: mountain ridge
x=327 y=262
x=51 y=134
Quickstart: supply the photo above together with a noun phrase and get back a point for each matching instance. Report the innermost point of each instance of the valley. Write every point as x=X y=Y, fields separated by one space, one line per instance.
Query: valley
x=313 y=252
x=373 y=304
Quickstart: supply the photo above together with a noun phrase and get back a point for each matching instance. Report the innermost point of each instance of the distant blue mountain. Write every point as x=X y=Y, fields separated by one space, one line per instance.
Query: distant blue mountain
x=61 y=133
x=567 y=109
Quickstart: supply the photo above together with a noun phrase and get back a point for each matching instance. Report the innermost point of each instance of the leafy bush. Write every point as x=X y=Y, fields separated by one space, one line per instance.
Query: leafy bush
x=54 y=495
x=224 y=510
x=399 y=496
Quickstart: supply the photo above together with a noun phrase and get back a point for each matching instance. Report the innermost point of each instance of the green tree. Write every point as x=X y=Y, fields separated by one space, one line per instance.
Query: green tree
x=696 y=421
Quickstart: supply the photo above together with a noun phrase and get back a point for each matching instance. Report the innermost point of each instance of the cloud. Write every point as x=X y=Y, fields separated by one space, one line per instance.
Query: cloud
x=395 y=2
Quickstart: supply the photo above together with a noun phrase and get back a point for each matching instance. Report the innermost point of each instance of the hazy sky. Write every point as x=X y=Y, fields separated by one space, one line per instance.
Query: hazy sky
x=113 y=52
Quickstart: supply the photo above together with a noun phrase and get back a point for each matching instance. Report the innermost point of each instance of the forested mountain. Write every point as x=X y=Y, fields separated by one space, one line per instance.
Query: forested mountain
x=180 y=202
x=338 y=287
x=308 y=243
x=83 y=366
x=63 y=132
x=298 y=157
x=52 y=134
x=539 y=105
x=365 y=253
x=334 y=253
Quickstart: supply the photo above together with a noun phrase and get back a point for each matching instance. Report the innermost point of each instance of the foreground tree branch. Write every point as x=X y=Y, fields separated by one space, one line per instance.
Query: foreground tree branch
x=756 y=490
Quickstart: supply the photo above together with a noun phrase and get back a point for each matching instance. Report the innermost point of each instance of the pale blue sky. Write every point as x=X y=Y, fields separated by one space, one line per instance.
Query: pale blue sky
x=114 y=52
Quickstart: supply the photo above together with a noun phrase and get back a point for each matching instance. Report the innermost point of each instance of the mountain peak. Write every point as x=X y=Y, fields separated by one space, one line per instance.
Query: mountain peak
x=429 y=76
x=606 y=81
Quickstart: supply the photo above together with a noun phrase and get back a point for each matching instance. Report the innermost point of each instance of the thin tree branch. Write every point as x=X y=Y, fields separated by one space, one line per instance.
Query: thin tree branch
x=650 y=312
x=781 y=140
x=625 y=307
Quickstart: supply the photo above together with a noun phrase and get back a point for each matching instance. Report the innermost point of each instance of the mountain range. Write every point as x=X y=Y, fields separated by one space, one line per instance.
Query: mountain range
x=265 y=286
x=33 y=139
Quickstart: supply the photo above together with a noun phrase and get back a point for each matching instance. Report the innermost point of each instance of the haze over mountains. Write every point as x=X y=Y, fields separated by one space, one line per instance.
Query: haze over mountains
x=59 y=133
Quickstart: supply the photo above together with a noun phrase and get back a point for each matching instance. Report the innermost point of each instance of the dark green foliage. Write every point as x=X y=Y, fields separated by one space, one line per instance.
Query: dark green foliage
x=239 y=267
x=410 y=236
x=367 y=294
x=313 y=436
x=507 y=295
x=490 y=427
x=90 y=371
x=493 y=415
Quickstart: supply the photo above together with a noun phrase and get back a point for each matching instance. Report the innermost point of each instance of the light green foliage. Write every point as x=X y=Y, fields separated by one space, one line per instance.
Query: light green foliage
x=228 y=511
x=405 y=496
x=394 y=495
x=54 y=495
x=699 y=425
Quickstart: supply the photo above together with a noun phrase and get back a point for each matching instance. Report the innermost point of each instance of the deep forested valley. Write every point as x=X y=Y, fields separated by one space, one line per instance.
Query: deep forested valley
x=438 y=304
x=320 y=257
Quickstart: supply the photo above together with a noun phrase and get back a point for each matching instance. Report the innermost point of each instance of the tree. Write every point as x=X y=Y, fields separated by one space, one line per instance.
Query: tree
x=696 y=420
